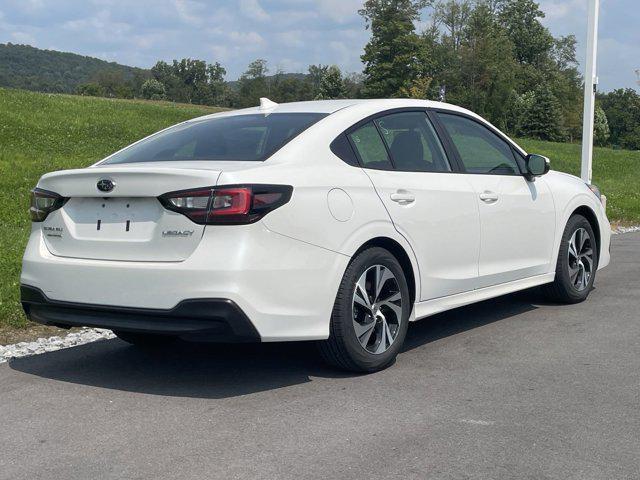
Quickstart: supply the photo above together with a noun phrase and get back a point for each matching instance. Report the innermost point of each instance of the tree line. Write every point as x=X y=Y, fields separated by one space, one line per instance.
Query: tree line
x=494 y=57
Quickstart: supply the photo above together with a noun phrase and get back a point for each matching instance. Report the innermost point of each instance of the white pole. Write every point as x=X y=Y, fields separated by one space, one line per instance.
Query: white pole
x=590 y=85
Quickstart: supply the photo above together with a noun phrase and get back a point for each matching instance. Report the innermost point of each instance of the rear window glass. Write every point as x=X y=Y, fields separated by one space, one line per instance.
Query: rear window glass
x=238 y=137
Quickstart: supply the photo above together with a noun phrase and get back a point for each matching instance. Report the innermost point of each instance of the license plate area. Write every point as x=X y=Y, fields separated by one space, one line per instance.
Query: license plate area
x=113 y=218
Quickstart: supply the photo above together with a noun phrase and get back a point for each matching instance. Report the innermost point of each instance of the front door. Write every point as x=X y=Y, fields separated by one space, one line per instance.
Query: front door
x=517 y=217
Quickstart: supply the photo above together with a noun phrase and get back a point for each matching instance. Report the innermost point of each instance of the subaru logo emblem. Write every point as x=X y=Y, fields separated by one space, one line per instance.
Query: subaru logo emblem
x=105 y=185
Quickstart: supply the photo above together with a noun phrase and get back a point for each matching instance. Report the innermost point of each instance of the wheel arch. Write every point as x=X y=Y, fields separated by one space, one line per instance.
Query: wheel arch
x=398 y=251
x=592 y=218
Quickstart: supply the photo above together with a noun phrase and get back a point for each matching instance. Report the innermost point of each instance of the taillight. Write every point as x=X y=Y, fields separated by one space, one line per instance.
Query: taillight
x=43 y=203
x=230 y=205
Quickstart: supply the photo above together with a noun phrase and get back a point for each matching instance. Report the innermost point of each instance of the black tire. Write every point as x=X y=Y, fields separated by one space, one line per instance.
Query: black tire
x=563 y=289
x=343 y=349
x=145 y=340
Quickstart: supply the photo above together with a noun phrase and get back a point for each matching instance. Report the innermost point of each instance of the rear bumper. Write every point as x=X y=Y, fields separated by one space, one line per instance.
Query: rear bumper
x=198 y=319
x=285 y=287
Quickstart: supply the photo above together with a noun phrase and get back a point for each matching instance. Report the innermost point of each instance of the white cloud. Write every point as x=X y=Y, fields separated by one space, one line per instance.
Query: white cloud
x=247 y=39
x=252 y=9
x=293 y=38
x=340 y=11
x=23 y=37
x=190 y=12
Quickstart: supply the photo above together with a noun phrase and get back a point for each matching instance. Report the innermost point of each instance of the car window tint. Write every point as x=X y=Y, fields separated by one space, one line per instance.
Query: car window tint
x=370 y=147
x=481 y=150
x=413 y=142
x=252 y=137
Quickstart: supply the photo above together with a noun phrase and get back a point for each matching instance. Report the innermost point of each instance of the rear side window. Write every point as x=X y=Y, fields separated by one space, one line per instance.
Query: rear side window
x=481 y=150
x=413 y=142
x=239 y=137
x=370 y=148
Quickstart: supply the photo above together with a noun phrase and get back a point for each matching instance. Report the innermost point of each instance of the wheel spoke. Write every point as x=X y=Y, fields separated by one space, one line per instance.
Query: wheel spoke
x=572 y=246
x=583 y=239
x=382 y=275
x=382 y=345
x=360 y=295
x=573 y=274
x=397 y=311
x=364 y=331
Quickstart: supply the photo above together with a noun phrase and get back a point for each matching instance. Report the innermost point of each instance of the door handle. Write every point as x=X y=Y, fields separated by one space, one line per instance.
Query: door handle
x=403 y=197
x=489 y=197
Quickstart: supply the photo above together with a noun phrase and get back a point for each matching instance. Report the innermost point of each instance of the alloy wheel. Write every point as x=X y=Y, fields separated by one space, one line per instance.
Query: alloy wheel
x=377 y=309
x=580 y=259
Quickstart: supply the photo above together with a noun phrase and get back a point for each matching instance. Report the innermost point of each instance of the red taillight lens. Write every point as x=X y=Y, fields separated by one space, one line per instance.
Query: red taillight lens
x=231 y=205
x=43 y=203
x=231 y=201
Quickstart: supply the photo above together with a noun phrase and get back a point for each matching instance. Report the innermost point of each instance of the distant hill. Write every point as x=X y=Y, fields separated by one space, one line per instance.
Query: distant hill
x=23 y=66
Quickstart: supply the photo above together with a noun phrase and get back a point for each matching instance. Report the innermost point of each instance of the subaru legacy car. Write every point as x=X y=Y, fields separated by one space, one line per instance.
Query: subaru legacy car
x=333 y=221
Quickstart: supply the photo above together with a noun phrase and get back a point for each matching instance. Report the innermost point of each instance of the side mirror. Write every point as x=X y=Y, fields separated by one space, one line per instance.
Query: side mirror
x=537 y=165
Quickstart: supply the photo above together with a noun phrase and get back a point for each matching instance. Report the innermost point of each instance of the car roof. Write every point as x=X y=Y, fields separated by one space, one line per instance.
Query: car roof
x=332 y=106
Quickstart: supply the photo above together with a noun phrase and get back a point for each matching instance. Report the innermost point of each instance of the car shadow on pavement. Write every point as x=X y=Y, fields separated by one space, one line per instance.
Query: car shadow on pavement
x=223 y=371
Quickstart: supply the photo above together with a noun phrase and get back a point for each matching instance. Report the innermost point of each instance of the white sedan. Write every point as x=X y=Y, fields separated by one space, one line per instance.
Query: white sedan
x=333 y=221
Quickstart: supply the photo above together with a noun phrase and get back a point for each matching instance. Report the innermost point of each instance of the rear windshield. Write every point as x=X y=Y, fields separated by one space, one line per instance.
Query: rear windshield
x=238 y=137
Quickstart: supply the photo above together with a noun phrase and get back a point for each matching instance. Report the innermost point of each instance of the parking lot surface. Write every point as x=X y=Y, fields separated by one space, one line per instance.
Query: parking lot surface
x=513 y=387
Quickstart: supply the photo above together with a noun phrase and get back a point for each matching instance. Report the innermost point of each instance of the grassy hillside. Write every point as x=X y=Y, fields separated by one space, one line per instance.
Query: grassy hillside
x=23 y=66
x=45 y=132
x=40 y=133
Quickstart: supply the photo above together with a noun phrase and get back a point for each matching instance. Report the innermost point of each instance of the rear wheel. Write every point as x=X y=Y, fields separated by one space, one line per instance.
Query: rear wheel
x=145 y=340
x=370 y=315
x=577 y=262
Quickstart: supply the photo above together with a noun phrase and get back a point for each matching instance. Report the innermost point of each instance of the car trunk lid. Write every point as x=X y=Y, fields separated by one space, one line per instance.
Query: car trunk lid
x=127 y=223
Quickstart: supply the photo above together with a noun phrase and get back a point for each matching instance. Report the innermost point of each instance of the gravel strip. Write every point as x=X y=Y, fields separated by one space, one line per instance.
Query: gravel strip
x=618 y=230
x=51 y=344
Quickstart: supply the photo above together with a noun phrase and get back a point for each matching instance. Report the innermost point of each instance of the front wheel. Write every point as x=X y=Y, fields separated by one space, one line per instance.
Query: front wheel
x=577 y=263
x=370 y=315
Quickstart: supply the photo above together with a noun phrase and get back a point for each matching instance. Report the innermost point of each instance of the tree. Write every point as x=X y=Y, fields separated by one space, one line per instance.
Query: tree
x=253 y=84
x=316 y=74
x=90 y=89
x=152 y=89
x=544 y=119
x=192 y=81
x=419 y=88
x=390 y=57
x=487 y=66
x=332 y=84
x=113 y=83
x=453 y=16
x=601 y=127
x=622 y=108
x=532 y=40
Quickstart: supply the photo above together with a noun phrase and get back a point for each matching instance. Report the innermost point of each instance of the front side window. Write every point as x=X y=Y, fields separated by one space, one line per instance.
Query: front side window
x=413 y=142
x=481 y=150
x=253 y=137
x=371 y=150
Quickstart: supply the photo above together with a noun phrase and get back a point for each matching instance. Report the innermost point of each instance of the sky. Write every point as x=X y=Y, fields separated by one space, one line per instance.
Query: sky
x=289 y=34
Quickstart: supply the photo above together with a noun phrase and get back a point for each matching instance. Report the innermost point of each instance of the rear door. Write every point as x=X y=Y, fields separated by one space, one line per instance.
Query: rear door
x=434 y=208
x=517 y=217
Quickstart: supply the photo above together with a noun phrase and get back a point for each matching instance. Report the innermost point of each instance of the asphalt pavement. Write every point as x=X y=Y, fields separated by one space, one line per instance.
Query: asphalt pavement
x=512 y=388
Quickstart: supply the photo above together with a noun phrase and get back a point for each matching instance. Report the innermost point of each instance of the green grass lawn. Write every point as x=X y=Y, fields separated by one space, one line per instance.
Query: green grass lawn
x=616 y=172
x=40 y=133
